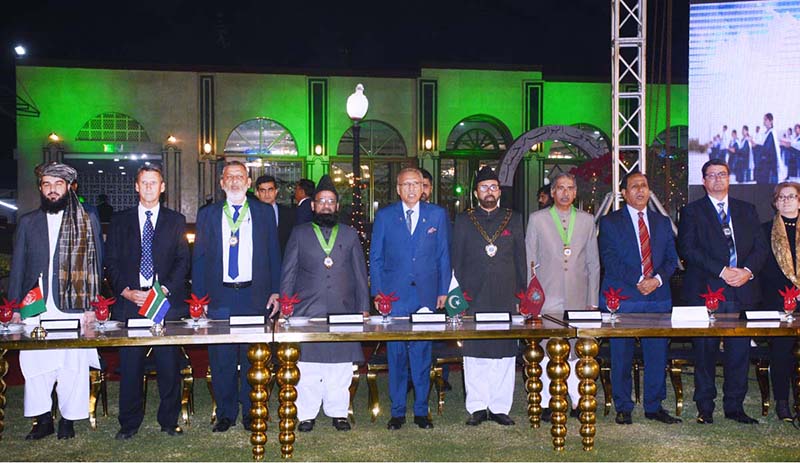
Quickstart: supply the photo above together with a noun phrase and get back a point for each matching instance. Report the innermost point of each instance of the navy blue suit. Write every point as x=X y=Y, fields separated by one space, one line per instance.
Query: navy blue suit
x=702 y=244
x=207 y=279
x=417 y=268
x=171 y=264
x=303 y=212
x=619 y=250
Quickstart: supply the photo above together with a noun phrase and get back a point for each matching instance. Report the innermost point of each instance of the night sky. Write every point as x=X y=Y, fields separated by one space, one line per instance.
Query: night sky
x=567 y=38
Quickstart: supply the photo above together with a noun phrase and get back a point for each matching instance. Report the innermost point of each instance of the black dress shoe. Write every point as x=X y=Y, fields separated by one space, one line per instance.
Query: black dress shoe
x=704 y=417
x=546 y=415
x=783 y=411
x=42 y=428
x=623 y=418
x=662 y=416
x=222 y=425
x=172 y=430
x=126 y=434
x=65 y=429
x=341 y=424
x=396 y=422
x=306 y=425
x=423 y=422
x=477 y=418
x=501 y=419
x=740 y=417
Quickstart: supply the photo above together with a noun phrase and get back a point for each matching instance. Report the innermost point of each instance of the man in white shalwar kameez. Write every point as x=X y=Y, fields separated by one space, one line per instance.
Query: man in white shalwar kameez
x=59 y=246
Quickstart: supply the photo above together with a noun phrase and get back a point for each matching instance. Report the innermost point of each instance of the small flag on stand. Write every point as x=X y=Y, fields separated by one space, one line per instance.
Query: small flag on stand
x=156 y=305
x=456 y=301
x=33 y=303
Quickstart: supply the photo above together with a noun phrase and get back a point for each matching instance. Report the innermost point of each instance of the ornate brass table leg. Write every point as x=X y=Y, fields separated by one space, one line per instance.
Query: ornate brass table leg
x=3 y=371
x=558 y=372
x=533 y=384
x=258 y=354
x=288 y=375
x=587 y=370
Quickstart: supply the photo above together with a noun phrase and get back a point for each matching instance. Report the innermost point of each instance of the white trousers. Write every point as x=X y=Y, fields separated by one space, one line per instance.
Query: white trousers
x=572 y=379
x=326 y=384
x=489 y=384
x=68 y=370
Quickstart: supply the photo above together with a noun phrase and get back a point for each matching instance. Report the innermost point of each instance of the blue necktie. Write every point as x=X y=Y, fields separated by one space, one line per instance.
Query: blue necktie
x=726 y=229
x=408 y=220
x=233 y=251
x=146 y=264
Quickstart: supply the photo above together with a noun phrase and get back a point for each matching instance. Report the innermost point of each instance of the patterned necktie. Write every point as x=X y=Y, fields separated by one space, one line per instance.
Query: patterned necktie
x=233 y=251
x=146 y=263
x=408 y=219
x=644 y=244
x=726 y=230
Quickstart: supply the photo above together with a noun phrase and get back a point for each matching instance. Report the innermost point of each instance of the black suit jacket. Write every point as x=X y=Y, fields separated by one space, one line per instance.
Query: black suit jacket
x=702 y=243
x=303 y=212
x=170 y=259
x=285 y=225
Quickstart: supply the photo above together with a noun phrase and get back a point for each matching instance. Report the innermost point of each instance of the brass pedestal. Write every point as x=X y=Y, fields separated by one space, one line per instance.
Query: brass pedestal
x=558 y=372
x=587 y=370
x=533 y=356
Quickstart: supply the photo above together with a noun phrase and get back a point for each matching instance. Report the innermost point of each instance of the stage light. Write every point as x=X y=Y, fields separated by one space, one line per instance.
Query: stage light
x=90 y=163
x=428 y=144
x=207 y=148
x=318 y=150
x=99 y=171
x=20 y=51
x=54 y=137
x=171 y=139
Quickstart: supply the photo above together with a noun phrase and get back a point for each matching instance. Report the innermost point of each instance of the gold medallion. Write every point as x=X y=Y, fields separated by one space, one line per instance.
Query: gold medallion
x=567 y=251
x=491 y=249
x=328 y=262
x=233 y=241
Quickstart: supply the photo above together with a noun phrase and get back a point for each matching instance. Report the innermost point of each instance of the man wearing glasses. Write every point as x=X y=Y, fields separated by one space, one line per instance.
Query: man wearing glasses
x=723 y=245
x=410 y=256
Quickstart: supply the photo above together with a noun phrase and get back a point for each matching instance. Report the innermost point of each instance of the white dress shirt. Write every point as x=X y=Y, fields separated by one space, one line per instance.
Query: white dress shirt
x=145 y=282
x=245 y=246
x=414 y=216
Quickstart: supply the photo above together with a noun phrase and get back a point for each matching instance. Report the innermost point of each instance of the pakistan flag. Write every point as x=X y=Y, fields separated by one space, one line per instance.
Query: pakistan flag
x=456 y=303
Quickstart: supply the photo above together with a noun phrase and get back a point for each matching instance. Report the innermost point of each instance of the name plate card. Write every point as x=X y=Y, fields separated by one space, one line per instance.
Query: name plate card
x=762 y=315
x=346 y=319
x=481 y=317
x=764 y=324
x=429 y=327
x=583 y=315
x=493 y=326
x=244 y=320
x=346 y=328
x=139 y=323
x=694 y=314
x=428 y=318
x=64 y=324
x=62 y=335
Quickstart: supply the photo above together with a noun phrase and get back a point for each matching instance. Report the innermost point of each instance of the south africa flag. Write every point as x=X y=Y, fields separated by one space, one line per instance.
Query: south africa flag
x=156 y=305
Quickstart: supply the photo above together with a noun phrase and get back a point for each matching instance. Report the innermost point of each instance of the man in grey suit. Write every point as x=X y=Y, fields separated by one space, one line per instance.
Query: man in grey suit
x=324 y=264
x=562 y=241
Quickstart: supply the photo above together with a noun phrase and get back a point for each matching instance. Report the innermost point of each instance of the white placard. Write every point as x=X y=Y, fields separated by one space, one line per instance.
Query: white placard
x=429 y=327
x=139 y=323
x=238 y=320
x=765 y=324
x=68 y=334
x=346 y=318
x=492 y=326
x=694 y=313
x=762 y=315
x=428 y=318
x=583 y=315
x=492 y=317
x=348 y=328
x=67 y=324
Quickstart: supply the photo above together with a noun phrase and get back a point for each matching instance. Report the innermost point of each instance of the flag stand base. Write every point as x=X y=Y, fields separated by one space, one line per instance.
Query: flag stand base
x=39 y=333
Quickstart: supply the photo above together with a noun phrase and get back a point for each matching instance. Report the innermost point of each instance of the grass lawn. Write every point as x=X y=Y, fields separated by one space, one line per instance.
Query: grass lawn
x=450 y=440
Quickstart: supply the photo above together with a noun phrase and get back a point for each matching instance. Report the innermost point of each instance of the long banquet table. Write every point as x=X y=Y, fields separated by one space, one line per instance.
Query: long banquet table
x=290 y=336
x=661 y=325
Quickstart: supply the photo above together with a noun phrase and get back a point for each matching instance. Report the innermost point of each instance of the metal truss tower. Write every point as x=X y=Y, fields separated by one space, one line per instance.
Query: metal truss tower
x=628 y=64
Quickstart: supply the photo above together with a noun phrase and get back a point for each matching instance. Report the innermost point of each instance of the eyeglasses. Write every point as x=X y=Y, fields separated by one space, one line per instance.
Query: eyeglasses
x=718 y=175
x=410 y=185
x=562 y=189
x=786 y=198
x=328 y=201
x=485 y=188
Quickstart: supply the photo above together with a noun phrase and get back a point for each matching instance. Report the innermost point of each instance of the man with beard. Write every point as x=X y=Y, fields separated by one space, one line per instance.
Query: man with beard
x=61 y=244
x=324 y=264
x=488 y=256
x=410 y=256
x=544 y=197
x=242 y=236
x=427 y=186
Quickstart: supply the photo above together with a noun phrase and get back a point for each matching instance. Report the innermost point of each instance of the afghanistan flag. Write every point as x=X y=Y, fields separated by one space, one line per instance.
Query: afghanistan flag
x=456 y=302
x=156 y=305
x=33 y=303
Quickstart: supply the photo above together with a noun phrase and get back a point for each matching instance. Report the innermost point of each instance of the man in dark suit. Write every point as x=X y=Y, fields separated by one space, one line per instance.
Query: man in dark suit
x=324 y=264
x=303 y=191
x=723 y=245
x=410 y=257
x=638 y=253
x=767 y=154
x=144 y=243
x=267 y=192
x=242 y=236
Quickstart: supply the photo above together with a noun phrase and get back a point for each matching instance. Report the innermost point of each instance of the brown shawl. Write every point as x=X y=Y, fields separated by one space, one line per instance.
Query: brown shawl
x=780 y=248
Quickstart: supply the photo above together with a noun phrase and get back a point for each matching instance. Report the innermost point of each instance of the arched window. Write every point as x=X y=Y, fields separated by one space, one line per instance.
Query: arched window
x=479 y=134
x=112 y=127
x=560 y=150
x=261 y=137
x=376 y=139
x=678 y=137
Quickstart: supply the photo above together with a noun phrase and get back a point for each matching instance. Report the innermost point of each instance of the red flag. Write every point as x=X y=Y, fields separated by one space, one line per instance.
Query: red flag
x=532 y=300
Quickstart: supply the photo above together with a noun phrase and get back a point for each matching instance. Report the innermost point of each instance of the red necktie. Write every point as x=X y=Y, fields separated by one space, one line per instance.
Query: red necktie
x=644 y=244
